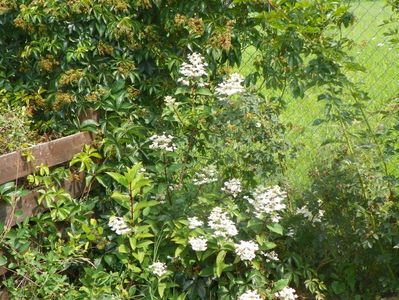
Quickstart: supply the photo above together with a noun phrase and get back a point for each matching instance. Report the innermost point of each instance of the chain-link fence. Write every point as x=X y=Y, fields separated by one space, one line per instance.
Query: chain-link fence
x=380 y=79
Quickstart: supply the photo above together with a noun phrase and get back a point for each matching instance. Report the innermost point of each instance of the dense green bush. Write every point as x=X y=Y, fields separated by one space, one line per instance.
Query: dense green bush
x=185 y=190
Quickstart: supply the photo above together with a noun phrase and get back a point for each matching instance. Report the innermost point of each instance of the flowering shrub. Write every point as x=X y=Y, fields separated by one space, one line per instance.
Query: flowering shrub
x=185 y=194
x=179 y=229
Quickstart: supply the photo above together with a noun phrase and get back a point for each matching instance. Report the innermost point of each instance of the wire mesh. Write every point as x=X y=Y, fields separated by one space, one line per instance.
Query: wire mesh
x=380 y=80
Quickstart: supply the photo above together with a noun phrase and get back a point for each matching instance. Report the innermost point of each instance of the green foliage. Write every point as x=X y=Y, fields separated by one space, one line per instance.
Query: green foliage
x=176 y=141
x=15 y=125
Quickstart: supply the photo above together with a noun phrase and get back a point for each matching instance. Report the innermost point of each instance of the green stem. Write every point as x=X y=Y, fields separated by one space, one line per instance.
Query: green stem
x=178 y=115
x=385 y=167
x=131 y=203
x=352 y=153
x=166 y=179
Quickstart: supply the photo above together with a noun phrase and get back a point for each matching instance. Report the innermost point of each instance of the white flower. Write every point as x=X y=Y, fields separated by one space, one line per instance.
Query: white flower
x=162 y=142
x=198 y=244
x=275 y=218
x=305 y=212
x=380 y=45
x=233 y=187
x=169 y=101
x=258 y=124
x=183 y=81
x=286 y=293
x=250 y=295
x=246 y=250
x=221 y=224
x=396 y=246
x=309 y=215
x=232 y=85
x=118 y=225
x=270 y=256
x=290 y=232
x=268 y=200
x=194 y=223
x=195 y=68
x=208 y=175
x=158 y=268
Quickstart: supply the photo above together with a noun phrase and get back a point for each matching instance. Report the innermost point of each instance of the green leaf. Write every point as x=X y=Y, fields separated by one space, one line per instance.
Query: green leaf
x=119 y=178
x=269 y=245
x=121 y=199
x=277 y=228
x=280 y=284
x=143 y=204
x=89 y=125
x=161 y=288
x=338 y=287
x=109 y=259
x=206 y=272
x=220 y=262
x=204 y=92
x=123 y=248
x=6 y=187
x=3 y=260
x=182 y=90
x=139 y=256
x=133 y=242
x=179 y=250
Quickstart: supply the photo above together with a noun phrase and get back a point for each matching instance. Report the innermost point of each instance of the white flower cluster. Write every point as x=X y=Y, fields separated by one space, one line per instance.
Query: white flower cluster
x=246 y=250
x=250 y=295
x=221 y=224
x=118 y=225
x=232 y=187
x=158 y=268
x=304 y=210
x=162 y=142
x=268 y=200
x=195 y=69
x=271 y=256
x=198 y=244
x=208 y=175
x=286 y=293
x=169 y=101
x=194 y=223
x=232 y=85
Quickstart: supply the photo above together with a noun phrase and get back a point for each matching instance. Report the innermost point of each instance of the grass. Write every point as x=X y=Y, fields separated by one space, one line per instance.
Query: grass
x=380 y=80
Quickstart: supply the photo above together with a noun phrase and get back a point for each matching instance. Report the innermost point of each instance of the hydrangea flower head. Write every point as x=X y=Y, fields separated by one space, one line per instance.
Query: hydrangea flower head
x=232 y=187
x=169 y=101
x=194 y=70
x=271 y=256
x=162 y=142
x=246 y=250
x=231 y=86
x=208 y=175
x=118 y=225
x=221 y=224
x=194 y=223
x=269 y=201
x=250 y=295
x=286 y=293
x=198 y=244
x=158 y=268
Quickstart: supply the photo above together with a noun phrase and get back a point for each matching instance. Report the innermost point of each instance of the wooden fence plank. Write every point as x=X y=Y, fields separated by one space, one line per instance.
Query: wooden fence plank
x=13 y=165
